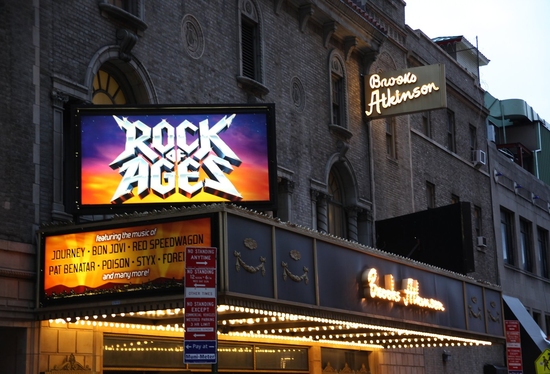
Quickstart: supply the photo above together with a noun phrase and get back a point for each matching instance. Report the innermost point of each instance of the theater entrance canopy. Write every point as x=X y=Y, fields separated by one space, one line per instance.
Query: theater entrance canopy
x=274 y=281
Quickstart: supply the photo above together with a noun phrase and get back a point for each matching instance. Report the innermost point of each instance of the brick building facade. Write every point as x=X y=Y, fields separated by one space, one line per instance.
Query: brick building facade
x=338 y=172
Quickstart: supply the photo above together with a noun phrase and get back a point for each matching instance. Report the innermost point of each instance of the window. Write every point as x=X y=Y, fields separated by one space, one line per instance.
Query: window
x=337 y=92
x=130 y=6
x=344 y=361
x=250 y=42
x=249 y=37
x=525 y=243
x=547 y=320
x=336 y=212
x=473 y=138
x=430 y=195
x=128 y=13
x=537 y=318
x=153 y=354
x=250 y=78
x=390 y=138
x=542 y=251
x=427 y=125
x=477 y=221
x=451 y=143
x=107 y=90
x=506 y=229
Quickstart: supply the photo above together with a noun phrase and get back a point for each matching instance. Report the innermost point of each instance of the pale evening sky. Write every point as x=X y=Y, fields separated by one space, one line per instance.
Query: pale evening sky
x=513 y=34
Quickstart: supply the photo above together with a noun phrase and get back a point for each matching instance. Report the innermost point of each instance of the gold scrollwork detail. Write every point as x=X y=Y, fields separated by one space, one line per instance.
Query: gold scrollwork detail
x=478 y=314
x=346 y=369
x=329 y=368
x=496 y=317
x=294 y=277
x=250 y=243
x=71 y=364
x=251 y=269
x=295 y=255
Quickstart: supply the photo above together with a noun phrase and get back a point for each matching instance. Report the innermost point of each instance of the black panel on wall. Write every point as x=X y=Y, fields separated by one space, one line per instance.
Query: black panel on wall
x=441 y=237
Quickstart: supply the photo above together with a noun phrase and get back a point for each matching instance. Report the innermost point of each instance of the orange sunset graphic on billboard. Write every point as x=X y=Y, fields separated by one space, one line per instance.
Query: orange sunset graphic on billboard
x=137 y=258
x=175 y=156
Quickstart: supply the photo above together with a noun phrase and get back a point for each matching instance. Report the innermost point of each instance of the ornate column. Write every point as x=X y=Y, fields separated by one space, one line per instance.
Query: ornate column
x=59 y=99
x=285 y=190
x=352 y=213
x=321 y=200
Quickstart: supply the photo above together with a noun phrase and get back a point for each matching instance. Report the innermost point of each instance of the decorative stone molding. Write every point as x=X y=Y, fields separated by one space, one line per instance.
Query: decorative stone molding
x=340 y=132
x=192 y=36
x=296 y=256
x=369 y=57
x=252 y=86
x=126 y=41
x=306 y=11
x=277 y=5
x=350 y=43
x=59 y=99
x=70 y=365
x=252 y=245
x=19 y=274
x=298 y=94
x=286 y=185
x=322 y=211
x=329 y=28
x=121 y=15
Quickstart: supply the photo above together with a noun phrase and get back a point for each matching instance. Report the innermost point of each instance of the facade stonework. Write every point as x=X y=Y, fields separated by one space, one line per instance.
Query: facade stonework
x=191 y=52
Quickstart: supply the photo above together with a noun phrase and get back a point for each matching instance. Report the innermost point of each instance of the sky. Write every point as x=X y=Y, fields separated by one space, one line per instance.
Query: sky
x=513 y=34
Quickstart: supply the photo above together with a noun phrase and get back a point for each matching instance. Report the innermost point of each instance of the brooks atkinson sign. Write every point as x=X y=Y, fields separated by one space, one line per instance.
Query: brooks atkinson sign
x=405 y=91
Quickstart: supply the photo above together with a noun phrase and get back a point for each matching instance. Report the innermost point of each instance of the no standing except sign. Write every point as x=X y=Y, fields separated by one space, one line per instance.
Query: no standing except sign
x=200 y=346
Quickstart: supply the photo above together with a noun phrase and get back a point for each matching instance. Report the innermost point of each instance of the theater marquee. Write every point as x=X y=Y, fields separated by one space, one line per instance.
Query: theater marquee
x=405 y=91
x=149 y=258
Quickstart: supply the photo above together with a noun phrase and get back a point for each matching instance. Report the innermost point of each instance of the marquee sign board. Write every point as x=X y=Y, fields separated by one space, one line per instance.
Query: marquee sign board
x=83 y=263
x=405 y=91
x=133 y=158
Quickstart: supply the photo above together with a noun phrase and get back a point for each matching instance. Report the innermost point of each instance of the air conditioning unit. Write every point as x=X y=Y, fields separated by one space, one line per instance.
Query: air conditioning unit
x=479 y=157
x=481 y=241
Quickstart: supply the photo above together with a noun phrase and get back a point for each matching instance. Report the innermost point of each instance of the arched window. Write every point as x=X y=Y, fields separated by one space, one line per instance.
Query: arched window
x=108 y=88
x=338 y=91
x=337 y=221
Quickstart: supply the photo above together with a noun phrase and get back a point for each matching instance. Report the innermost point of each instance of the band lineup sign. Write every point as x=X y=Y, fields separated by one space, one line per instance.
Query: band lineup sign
x=169 y=155
x=405 y=91
x=139 y=258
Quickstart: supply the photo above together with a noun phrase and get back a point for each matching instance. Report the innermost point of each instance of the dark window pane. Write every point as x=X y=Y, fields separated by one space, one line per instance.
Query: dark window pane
x=340 y=360
x=147 y=352
x=542 y=237
x=248 y=45
x=281 y=358
x=507 y=237
x=235 y=356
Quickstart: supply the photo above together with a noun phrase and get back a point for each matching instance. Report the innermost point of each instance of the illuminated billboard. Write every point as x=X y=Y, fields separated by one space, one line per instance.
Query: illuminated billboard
x=133 y=157
x=106 y=262
x=405 y=91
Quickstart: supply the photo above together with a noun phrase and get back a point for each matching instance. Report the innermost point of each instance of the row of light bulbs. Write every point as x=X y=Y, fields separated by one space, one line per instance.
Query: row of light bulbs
x=375 y=339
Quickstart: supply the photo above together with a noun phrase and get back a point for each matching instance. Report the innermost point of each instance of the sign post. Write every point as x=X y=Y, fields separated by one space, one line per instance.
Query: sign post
x=513 y=347
x=200 y=338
